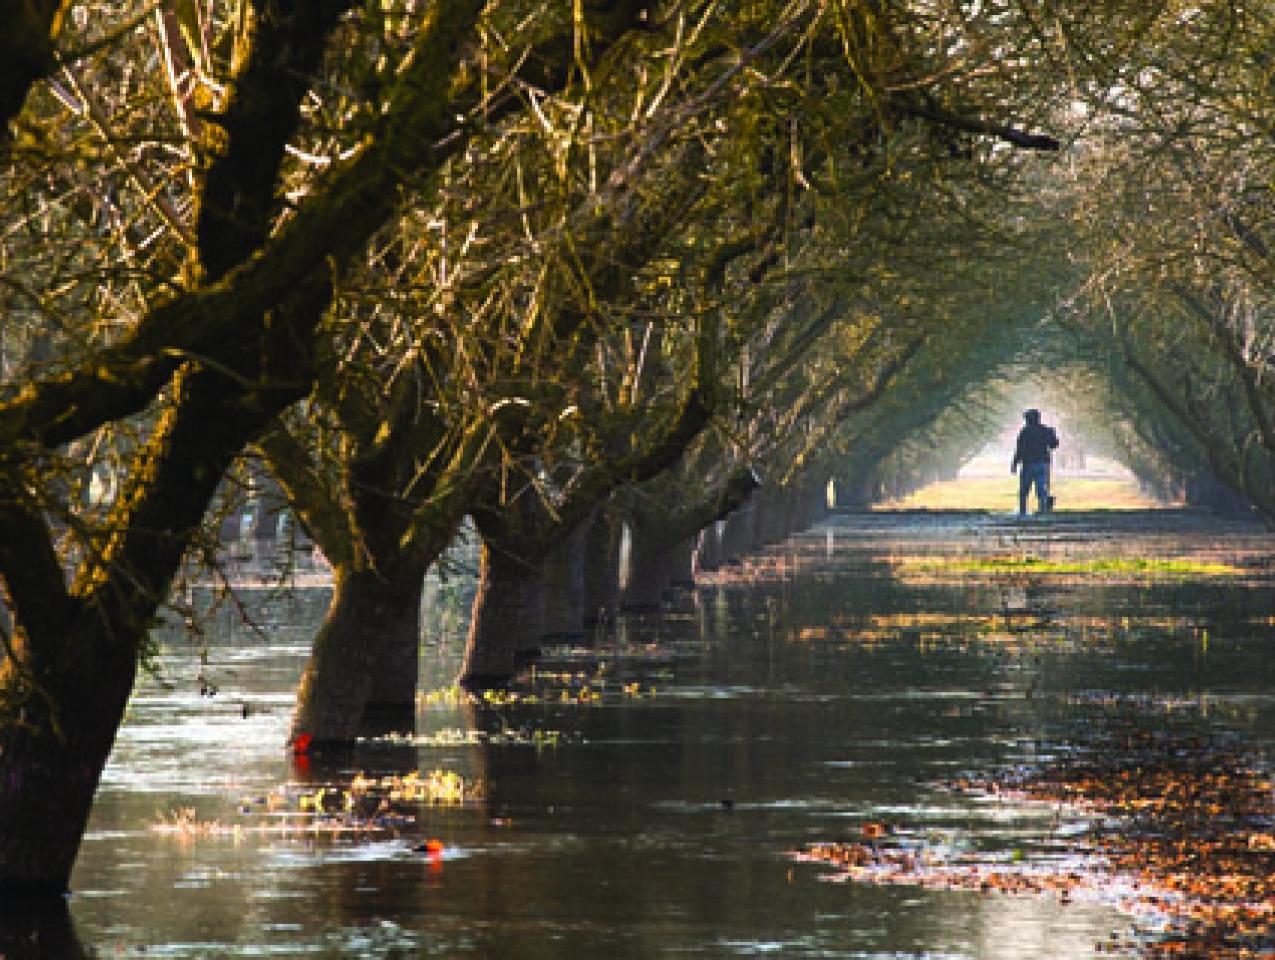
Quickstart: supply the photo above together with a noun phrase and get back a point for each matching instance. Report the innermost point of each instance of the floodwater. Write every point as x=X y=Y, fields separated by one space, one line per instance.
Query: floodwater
x=644 y=796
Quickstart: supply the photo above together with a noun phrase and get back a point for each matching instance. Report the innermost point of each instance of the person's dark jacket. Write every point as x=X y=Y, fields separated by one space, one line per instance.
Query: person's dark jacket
x=1034 y=443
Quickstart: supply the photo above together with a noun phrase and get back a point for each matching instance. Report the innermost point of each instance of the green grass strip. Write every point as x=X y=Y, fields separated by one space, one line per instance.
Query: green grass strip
x=1098 y=566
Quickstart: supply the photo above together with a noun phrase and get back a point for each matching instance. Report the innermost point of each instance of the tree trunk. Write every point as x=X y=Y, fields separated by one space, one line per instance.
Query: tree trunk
x=708 y=554
x=564 y=588
x=762 y=507
x=533 y=592
x=771 y=524
x=681 y=565
x=812 y=505
x=602 y=569
x=796 y=505
x=52 y=757
x=39 y=931
x=396 y=667
x=650 y=568
x=507 y=620
x=1206 y=490
x=737 y=537
x=855 y=492
x=799 y=503
x=74 y=653
x=344 y=691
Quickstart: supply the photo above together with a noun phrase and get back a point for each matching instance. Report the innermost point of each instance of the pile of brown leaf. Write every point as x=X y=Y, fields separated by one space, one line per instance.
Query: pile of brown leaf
x=1184 y=823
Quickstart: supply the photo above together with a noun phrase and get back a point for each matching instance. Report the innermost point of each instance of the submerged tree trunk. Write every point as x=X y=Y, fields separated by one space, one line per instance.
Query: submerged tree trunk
x=602 y=568
x=507 y=620
x=708 y=551
x=50 y=766
x=665 y=524
x=391 y=702
x=381 y=542
x=656 y=569
x=564 y=588
x=811 y=505
x=1206 y=490
x=856 y=492
x=649 y=574
x=762 y=507
x=737 y=535
x=681 y=564
x=396 y=666
x=533 y=599
x=40 y=930
x=771 y=506
x=372 y=626
x=74 y=653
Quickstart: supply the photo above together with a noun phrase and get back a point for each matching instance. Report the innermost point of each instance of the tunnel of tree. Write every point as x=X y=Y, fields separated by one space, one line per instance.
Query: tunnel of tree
x=638 y=278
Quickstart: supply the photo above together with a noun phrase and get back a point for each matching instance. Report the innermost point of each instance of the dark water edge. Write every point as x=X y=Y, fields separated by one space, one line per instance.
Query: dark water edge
x=834 y=682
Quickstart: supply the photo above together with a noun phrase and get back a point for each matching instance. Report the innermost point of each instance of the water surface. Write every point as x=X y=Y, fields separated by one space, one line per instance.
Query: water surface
x=644 y=795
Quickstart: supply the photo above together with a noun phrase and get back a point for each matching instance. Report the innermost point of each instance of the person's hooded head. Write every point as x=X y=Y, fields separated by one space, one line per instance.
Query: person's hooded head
x=1032 y=417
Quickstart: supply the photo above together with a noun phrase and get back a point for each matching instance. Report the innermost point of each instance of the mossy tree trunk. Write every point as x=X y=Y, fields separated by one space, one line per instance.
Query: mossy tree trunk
x=362 y=672
x=74 y=649
x=507 y=620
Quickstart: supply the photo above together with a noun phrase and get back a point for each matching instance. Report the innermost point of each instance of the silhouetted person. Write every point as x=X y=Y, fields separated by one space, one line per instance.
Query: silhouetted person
x=1035 y=441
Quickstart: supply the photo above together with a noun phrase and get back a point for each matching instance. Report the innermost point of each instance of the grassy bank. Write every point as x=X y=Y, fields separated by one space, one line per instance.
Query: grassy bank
x=1000 y=494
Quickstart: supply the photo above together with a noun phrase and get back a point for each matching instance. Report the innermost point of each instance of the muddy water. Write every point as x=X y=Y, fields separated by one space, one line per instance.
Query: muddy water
x=643 y=796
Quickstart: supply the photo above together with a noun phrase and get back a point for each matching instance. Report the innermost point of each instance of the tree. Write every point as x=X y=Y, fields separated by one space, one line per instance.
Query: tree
x=189 y=233
x=1172 y=214
x=221 y=346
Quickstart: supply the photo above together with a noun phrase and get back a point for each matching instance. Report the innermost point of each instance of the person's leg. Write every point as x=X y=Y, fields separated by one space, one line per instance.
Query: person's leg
x=1042 y=488
x=1024 y=485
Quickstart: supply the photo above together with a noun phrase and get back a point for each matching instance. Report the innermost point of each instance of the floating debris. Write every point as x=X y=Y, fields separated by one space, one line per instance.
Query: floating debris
x=366 y=805
x=185 y=825
x=1181 y=832
x=443 y=787
x=457 y=737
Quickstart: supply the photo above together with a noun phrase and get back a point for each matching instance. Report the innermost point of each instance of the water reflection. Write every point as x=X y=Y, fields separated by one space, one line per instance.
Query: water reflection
x=641 y=795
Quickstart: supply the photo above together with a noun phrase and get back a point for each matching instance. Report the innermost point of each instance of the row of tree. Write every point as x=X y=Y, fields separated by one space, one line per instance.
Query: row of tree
x=1153 y=274
x=551 y=267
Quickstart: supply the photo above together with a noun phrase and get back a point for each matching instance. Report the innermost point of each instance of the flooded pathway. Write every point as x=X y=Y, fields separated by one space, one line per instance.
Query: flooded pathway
x=652 y=795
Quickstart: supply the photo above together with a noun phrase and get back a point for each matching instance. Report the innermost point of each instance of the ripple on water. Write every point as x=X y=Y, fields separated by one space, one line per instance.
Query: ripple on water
x=624 y=813
x=196 y=756
x=292 y=856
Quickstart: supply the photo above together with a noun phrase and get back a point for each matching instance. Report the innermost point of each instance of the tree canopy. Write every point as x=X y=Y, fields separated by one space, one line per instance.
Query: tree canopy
x=518 y=261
